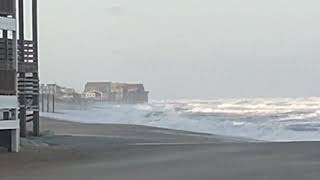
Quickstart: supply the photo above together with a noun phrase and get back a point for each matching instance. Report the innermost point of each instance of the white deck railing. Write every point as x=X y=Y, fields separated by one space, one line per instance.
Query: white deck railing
x=10 y=104
x=8 y=24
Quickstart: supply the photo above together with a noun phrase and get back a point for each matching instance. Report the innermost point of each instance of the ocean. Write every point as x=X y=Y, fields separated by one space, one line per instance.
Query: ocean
x=266 y=119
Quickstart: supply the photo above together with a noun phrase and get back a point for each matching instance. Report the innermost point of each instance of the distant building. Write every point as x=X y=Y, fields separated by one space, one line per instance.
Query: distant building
x=116 y=92
x=99 y=91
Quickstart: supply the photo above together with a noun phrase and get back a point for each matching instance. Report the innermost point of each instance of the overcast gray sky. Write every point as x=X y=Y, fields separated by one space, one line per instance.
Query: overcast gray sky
x=184 y=48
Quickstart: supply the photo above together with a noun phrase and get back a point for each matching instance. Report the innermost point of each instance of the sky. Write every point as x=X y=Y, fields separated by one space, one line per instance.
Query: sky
x=184 y=49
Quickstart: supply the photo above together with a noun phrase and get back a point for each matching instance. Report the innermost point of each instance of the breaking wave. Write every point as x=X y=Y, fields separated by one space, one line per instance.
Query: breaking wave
x=278 y=119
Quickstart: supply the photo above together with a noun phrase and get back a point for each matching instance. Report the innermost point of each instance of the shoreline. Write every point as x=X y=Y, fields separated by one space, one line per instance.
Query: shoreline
x=61 y=126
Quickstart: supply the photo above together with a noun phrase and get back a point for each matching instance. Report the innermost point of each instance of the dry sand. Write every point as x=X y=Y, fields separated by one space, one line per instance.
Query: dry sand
x=126 y=152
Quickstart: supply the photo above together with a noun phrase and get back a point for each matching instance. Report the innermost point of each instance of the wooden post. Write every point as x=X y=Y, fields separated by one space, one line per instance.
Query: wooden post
x=36 y=116
x=21 y=26
x=5 y=37
x=48 y=102
x=23 y=116
x=53 y=102
x=42 y=97
x=36 y=123
x=35 y=26
x=14 y=134
x=23 y=110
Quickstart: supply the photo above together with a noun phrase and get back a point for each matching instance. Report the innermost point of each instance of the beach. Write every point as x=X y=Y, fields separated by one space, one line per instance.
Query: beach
x=76 y=151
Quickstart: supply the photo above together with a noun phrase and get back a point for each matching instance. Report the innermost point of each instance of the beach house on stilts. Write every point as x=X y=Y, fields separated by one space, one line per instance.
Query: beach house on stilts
x=9 y=123
x=19 y=79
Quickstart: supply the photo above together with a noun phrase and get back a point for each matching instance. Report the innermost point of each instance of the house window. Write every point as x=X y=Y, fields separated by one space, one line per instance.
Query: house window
x=90 y=95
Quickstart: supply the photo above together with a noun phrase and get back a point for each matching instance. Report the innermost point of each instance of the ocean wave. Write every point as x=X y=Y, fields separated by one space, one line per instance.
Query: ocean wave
x=276 y=119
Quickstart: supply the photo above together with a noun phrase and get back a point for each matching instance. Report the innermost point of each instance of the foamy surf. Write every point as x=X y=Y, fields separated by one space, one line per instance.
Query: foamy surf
x=278 y=119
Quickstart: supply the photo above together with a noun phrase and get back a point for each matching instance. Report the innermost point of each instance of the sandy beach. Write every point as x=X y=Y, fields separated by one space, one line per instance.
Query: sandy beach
x=78 y=151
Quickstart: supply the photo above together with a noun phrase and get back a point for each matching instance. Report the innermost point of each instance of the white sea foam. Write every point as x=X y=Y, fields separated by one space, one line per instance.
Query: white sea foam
x=278 y=119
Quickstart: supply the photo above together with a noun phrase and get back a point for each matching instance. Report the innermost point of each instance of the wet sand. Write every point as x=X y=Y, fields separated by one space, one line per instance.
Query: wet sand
x=119 y=152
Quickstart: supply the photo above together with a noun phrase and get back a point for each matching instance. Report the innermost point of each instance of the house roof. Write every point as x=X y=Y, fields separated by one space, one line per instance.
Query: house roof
x=128 y=87
x=103 y=87
x=135 y=87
